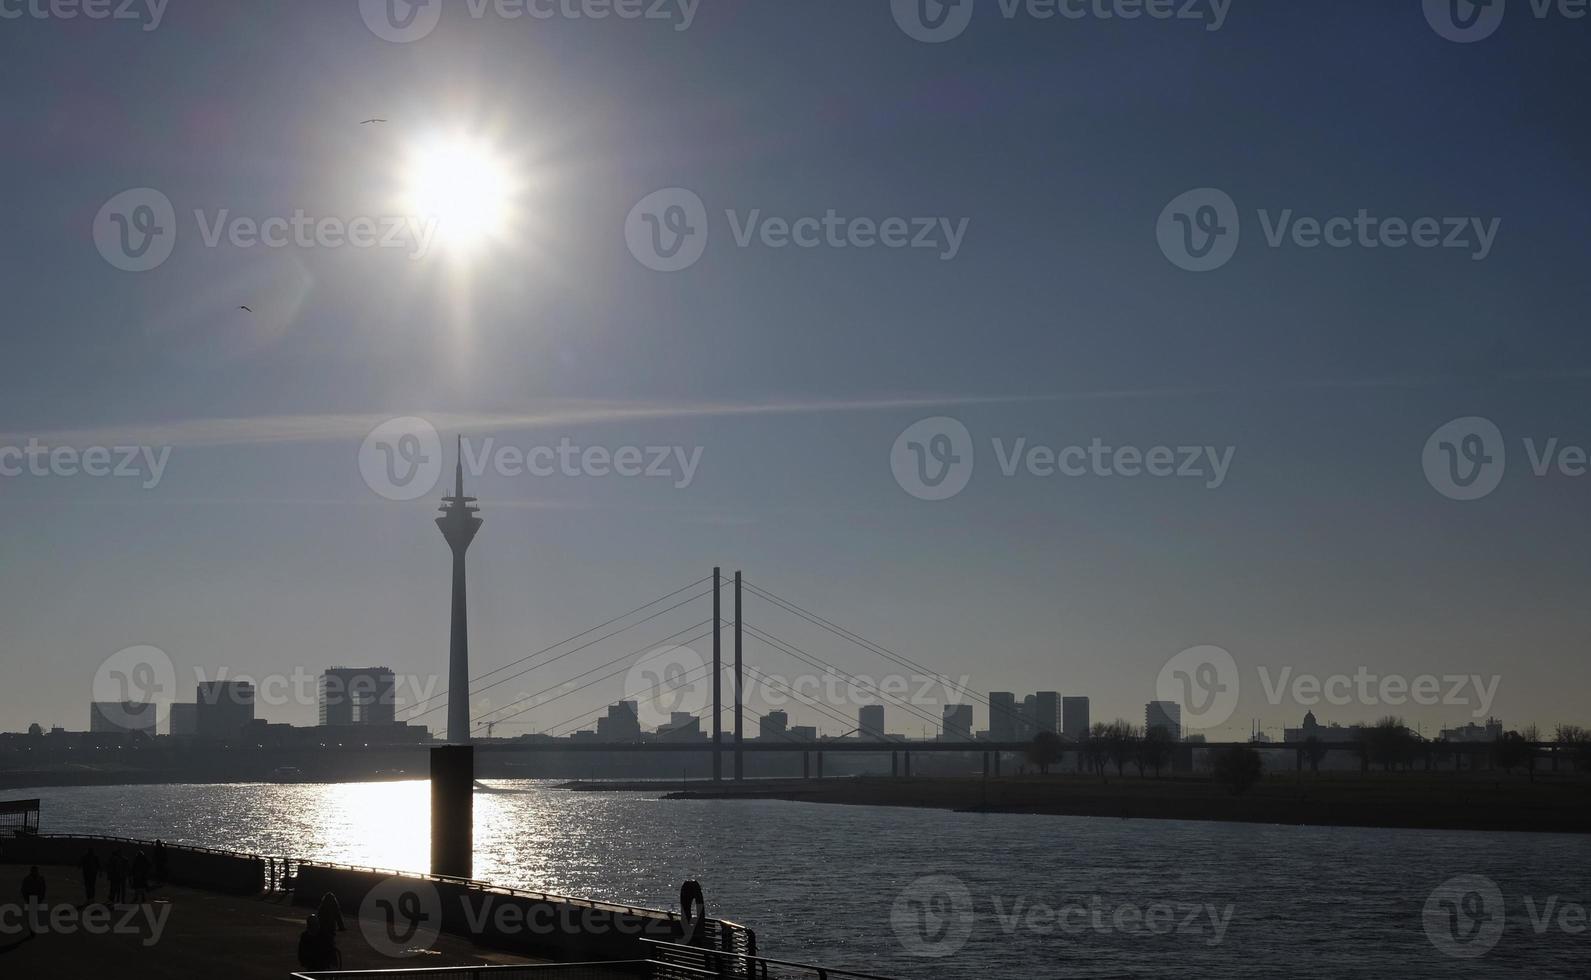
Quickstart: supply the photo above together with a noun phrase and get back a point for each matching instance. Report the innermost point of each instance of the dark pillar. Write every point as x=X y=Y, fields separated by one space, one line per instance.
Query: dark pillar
x=740 y=752
x=908 y=764
x=985 y=765
x=718 y=677
x=997 y=763
x=820 y=764
x=806 y=764
x=453 y=811
x=894 y=763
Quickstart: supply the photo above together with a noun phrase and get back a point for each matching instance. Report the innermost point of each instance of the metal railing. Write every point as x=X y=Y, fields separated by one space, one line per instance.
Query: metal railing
x=615 y=970
x=673 y=960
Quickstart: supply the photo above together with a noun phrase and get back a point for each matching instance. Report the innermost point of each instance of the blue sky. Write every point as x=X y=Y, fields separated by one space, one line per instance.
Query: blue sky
x=1059 y=319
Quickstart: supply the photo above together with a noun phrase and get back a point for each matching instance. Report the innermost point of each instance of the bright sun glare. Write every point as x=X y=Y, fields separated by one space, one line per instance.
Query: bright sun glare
x=465 y=186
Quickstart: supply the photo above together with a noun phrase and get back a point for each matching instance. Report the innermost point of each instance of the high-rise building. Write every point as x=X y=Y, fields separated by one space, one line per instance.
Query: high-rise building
x=184 y=720
x=683 y=726
x=958 y=723
x=1029 y=726
x=1046 y=712
x=223 y=708
x=622 y=723
x=1074 y=718
x=107 y=717
x=870 y=722
x=358 y=696
x=773 y=726
x=1164 y=714
x=1005 y=720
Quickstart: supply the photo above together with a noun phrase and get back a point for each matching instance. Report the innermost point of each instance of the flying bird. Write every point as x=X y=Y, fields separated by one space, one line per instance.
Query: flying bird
x=367 y=122
x=245 y=309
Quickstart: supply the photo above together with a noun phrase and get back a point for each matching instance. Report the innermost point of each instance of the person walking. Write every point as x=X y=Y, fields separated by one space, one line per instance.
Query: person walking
x=160 y=862
x=33 y=889
x=140 y=877
x=90 y=868
x=116 y=877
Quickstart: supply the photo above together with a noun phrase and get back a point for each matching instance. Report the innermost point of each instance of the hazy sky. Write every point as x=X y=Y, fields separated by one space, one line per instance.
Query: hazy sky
x=1050 y=146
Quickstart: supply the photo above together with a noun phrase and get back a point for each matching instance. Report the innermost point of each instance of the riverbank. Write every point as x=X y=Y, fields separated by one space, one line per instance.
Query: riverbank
x=1430 y=801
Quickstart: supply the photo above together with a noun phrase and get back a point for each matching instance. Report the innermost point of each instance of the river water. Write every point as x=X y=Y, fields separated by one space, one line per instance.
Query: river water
x=928 y=893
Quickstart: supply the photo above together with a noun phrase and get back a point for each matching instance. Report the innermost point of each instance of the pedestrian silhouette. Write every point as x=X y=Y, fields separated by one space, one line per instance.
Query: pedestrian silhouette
x=331 y=915
x=33 y=896
x=160 y=862
x=90 y=866
x=317 y=946
x=116 y=877
x=140 y=876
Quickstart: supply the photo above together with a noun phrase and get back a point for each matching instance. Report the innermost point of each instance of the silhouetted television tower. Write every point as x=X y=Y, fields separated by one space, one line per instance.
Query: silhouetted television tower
x=459 y=522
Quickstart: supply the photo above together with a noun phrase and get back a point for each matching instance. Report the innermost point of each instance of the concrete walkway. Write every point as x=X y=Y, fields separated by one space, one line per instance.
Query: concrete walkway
x=182 y=934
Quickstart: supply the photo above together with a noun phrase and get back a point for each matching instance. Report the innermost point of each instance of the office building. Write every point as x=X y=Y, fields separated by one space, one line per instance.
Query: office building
x=184 y=721
x=357 y=696
x=958 y=723
x=1074 y=718
x=1005 y=719
x=1164 y=714
x=1046 y=712
x=109 y=717
x=870 y=722
x=224 y=708
x=773 y=726
x=621 y=724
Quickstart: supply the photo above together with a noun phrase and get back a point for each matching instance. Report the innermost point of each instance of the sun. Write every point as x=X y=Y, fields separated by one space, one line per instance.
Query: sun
x=465 y=186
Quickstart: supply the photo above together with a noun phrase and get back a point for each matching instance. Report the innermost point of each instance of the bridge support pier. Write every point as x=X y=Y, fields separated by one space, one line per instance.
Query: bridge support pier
x=985 y=765
x=820 y=765
x=453 y=811
x=997 y=764
x=806 y=764
x=908 y=756
x=894 y=764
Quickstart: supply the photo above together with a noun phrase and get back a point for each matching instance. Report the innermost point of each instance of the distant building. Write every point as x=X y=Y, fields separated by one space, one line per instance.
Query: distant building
x=224 y=708
x=1005 y=718
x=109 y=717
x=1046 y=712
x=1312 y=729
x=773 y=726
x=1074 y=718
x=184 y=721
x=1489 y=732
x=804 y=733
x=1164 y=714
x=682 y=727
x=958 y=722
x=622 y=724
x=358 y=696
x=870 y=722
